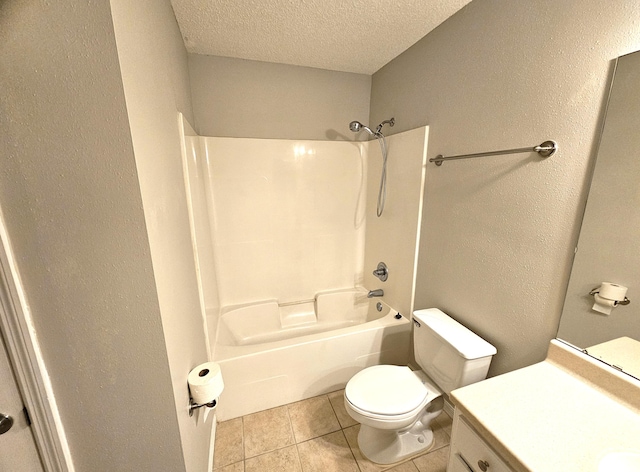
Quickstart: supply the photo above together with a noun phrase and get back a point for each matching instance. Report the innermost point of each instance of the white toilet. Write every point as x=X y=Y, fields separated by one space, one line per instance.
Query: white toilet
x=396 y=405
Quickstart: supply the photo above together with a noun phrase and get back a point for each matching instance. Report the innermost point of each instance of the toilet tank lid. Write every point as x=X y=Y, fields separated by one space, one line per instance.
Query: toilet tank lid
x=466 y=342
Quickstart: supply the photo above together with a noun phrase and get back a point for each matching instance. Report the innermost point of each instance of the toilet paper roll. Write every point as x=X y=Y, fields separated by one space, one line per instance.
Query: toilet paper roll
x=205 y=413
x=205 y=383
x=610 y=291
x=603 y=305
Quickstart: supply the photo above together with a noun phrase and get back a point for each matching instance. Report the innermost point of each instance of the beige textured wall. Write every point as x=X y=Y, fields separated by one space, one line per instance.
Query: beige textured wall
x=498 y=233
x=73 y=209
x=252 y=99
x=155 y=77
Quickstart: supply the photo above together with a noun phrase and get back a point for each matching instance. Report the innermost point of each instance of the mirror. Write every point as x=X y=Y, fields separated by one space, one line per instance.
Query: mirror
x=609 y=242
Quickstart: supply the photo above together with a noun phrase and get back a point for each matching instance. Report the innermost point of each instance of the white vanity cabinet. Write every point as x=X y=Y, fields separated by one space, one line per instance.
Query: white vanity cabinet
x=470 y=453
x=526 y=420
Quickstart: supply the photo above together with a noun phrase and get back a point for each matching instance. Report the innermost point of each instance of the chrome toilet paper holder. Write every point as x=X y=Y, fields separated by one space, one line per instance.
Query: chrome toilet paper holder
x=204 y=382
x=596 y=290
x=194 y=406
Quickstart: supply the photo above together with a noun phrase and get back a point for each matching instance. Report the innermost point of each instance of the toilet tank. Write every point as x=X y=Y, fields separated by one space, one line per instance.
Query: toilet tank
x=449 y=353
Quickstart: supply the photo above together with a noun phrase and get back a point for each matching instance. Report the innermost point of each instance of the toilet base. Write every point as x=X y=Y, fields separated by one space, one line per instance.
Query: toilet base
x=384 y=446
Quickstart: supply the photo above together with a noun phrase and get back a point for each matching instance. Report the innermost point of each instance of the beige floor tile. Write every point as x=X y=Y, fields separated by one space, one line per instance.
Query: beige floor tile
x=337 y=402
x=405 y=467
x=237 y=467
x=329 y=453
x=440 y=437
x=312 y=418
x=280 y=460
x=445 y=421
x=267 y=431
x=435 y=461
x=228 y=446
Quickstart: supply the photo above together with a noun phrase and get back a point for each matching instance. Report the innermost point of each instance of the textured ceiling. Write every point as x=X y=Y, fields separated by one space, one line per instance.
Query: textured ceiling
x=345 y=35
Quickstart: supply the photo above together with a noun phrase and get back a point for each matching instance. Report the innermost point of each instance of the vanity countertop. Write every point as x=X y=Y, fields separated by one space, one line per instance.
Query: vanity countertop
x=564 y=414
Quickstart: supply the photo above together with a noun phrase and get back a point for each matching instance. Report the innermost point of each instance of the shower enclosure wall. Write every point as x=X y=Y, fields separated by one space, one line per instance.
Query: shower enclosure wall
x=280 y=239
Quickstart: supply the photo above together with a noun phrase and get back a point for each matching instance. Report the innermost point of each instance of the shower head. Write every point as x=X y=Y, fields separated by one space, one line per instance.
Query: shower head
x=356 y=127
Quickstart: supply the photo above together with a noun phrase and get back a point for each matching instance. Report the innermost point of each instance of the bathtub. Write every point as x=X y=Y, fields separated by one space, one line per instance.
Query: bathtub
x=271 y=354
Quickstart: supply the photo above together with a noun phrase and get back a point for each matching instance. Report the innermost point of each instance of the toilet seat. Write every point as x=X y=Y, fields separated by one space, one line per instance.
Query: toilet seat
x=386 y=392
x=390 y=419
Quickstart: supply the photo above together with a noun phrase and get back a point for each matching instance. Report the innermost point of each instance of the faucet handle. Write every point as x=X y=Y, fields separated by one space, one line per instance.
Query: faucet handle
x=381 y=271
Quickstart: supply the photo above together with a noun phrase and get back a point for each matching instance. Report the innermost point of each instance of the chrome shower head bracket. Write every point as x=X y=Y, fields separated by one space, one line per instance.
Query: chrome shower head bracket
x=390 y=122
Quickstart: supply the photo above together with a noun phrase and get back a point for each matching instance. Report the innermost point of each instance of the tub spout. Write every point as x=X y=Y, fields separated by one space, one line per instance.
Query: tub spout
x=375 y=293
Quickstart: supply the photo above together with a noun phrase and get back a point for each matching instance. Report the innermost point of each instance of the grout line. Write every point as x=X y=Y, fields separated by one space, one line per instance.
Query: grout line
x=271 y=452
x=343 y=433
x=299 y=458
x=244 y=453
x=334 y=410
x=351 y=450
x=335 y=413
x=293 y=432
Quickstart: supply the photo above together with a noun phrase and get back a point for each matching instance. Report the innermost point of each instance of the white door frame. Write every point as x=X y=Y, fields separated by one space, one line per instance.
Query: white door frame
x=26 y=359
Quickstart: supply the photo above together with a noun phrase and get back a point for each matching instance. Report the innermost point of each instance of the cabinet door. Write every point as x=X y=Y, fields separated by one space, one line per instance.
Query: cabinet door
x=469 y=452
x=457 y=464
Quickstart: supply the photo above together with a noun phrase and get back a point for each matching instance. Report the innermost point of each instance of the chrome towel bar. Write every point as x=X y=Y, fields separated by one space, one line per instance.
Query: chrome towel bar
x=546 y=149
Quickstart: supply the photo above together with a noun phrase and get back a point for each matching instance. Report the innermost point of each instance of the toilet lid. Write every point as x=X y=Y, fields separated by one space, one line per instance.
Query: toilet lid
x=386 y=390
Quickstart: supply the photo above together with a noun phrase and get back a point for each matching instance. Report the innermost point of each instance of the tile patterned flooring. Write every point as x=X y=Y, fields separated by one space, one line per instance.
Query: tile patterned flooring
x=314 y=435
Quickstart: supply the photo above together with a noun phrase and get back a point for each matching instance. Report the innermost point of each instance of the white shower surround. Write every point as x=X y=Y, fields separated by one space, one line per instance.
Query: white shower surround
x=287 y=217
x=279 y=231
